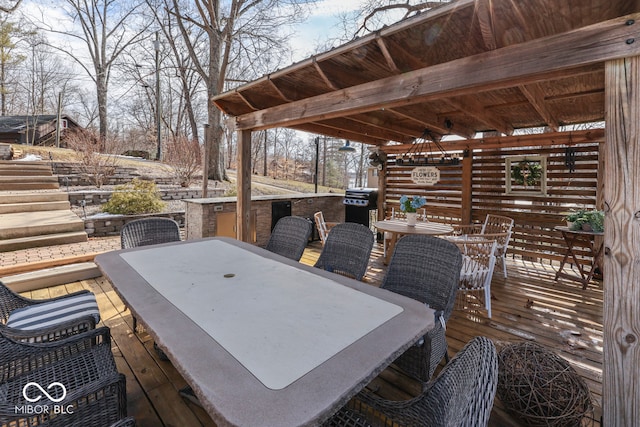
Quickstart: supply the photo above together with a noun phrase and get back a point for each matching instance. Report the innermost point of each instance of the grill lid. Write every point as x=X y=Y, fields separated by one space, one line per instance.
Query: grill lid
x=361 y=196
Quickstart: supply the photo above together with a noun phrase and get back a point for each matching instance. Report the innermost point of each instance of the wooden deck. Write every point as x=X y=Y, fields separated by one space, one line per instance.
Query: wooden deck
x=528 y=305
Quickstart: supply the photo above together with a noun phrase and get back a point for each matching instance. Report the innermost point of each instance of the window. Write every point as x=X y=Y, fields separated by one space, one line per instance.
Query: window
x=526 y=175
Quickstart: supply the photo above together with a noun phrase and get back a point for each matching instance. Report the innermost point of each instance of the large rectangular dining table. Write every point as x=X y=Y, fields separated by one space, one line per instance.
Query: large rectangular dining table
x=261 y=339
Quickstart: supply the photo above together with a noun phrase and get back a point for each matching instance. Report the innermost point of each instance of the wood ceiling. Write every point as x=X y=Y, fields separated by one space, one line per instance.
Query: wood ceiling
x=466 y=67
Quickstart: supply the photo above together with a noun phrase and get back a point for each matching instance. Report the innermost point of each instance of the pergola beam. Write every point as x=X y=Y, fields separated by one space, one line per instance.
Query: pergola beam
x=510 y=66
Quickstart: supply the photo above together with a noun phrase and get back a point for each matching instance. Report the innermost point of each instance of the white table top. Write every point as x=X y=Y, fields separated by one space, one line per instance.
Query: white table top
x=242 y=298
x=247 y=344
x=400 y=226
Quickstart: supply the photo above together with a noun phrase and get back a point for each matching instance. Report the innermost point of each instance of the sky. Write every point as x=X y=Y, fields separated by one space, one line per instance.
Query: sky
x=320 y=26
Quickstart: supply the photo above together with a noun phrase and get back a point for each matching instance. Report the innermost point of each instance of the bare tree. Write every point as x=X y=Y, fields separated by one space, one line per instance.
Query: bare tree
x=243 y=33
x=183 y=156
x=107 y=28
x=95 y=166
x=11 y=32
x=9 y=6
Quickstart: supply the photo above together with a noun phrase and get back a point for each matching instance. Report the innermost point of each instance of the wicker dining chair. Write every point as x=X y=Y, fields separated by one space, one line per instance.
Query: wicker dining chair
x=145 y=232
x=149 y=231
x=64 y=315
x=347 y=250
x=80 y=370
x=290 y=236
x=427 y=269
x=125 y=422
x=461 y=395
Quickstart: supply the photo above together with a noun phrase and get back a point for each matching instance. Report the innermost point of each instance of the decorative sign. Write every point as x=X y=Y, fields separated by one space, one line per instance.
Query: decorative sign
x=428 y=175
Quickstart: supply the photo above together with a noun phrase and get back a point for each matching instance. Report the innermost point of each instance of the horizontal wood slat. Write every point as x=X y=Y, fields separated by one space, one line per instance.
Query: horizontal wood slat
x=535 y=215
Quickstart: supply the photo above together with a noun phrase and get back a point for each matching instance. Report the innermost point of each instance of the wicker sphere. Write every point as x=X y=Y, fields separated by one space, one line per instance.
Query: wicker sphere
x=540 y=387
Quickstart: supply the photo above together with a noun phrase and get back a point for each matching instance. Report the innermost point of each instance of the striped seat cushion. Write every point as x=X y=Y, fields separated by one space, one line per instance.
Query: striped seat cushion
x=52 y=313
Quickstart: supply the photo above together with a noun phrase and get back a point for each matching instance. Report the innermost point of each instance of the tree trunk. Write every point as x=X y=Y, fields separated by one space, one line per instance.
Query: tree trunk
x=101 y=92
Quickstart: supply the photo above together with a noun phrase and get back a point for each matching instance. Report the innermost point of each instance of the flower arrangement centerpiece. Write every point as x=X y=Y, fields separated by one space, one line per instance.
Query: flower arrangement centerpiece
x=410 y=206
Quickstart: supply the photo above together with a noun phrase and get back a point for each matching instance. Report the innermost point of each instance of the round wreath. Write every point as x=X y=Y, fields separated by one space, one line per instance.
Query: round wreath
x=526 y=172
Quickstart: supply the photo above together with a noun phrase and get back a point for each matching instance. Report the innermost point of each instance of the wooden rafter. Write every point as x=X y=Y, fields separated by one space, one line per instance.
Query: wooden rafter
x=562 y=138
x=338 y=133
x=471 y=106
x=277 y=89
x=246 y=101
x=535 y=95
x=387 y=56
x=324 y=76
x=539 y=59
x=484 y=13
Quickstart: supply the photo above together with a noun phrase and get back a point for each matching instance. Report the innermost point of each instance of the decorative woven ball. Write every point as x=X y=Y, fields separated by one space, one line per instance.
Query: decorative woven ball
x=540 y=387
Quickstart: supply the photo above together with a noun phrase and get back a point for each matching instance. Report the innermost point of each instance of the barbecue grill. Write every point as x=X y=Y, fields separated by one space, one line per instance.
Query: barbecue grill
x=359 y=202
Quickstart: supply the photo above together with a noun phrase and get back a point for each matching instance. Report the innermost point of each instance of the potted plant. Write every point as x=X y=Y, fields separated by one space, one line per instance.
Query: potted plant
x=410 y=206
x=587 y=220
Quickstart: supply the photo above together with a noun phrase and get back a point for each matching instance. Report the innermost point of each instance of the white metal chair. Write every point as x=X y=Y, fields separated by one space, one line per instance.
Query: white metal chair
x=493 y=224
x=323 y=226
x=478 y=262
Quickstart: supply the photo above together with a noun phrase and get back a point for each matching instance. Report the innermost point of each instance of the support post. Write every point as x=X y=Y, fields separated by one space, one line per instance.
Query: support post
x=467 y=183
x=205 y=163
x=243 y=206
x=156 y=45
x=621 y=365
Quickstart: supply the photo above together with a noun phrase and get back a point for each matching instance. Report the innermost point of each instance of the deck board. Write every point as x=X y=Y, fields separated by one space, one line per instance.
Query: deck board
x=528 y=305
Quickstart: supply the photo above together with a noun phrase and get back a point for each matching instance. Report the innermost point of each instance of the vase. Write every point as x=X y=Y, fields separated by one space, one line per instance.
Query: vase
x=411 y=219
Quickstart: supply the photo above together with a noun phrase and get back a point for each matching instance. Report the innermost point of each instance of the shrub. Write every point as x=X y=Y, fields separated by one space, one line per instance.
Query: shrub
x=136 y=197
x=183 y=156
x=98 y=167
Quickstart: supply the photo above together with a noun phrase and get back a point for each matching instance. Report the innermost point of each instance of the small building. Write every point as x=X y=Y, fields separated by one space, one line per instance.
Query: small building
x=34 y=130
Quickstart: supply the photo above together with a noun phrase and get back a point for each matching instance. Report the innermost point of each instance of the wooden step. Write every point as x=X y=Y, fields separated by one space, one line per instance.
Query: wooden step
x=54 y=276
x=18 y=243
x=25 y=224
x=34 y=207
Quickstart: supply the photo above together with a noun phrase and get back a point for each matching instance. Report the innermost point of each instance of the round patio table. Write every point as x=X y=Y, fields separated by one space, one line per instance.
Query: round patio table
x=399 y=227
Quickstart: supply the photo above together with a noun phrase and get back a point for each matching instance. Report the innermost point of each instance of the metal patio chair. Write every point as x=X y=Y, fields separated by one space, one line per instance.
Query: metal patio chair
x=47 y=319
x=347 y=250
x=290 y=236
x=478 y=262
x=427 y=269
x=77 y=373
x=493 y=224
x=461 y=395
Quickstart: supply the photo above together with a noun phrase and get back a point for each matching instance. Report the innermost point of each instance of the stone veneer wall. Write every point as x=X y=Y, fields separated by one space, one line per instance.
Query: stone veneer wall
x=100 y=197
x=201 y=214
x=102 y=226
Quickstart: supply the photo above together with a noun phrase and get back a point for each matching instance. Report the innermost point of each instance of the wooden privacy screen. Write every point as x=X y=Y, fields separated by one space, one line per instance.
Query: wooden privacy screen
x=571 y=184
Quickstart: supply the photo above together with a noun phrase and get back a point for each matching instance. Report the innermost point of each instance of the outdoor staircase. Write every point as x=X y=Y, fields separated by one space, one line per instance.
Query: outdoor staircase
x=33 y=211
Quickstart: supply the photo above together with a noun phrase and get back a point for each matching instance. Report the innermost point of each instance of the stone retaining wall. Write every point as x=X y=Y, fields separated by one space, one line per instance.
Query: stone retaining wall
x=102 y=226
x=100 y=197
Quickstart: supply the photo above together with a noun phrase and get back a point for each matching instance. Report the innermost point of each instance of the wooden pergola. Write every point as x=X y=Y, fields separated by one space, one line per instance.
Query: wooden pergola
x=475 y=66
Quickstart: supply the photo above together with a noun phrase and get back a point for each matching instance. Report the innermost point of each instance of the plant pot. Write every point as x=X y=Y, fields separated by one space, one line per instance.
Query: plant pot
x=411 y=219
x=586 y=227
x=569 y=224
